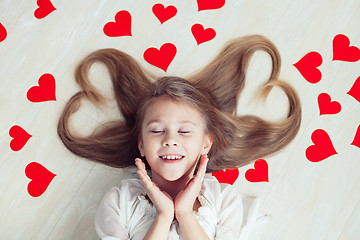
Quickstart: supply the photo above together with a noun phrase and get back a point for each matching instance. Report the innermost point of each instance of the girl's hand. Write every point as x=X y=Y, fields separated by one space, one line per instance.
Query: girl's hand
x=162 y=201
x=185 y=199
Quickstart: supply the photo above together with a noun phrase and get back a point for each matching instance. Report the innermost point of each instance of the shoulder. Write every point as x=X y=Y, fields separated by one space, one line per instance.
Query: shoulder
x=113 y=215
x=237 y=215
x=212 y=186
x=219 y=193
x=125 y=193
x=132 y=187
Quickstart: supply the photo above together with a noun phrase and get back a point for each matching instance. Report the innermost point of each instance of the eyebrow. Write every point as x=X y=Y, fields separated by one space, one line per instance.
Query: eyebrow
x=182 y=122
x=152 y=121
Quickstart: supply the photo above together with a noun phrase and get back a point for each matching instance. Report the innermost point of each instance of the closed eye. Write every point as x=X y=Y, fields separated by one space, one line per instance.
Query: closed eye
x=184 y=132
x=157 y=131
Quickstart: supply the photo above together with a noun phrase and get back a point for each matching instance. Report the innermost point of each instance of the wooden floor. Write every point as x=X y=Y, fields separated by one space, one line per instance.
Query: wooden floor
x=304 y=199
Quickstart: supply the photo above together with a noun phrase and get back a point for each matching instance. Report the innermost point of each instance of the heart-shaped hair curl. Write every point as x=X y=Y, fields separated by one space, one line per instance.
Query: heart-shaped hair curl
x=215 y=90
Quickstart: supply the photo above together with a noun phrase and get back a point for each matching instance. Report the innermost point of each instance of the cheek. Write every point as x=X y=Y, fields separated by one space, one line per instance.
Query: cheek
x=143 y=144
x=150 y=144
x=195 y=146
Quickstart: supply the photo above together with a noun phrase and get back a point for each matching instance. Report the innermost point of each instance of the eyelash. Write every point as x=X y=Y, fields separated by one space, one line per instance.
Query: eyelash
x=157 y=131
x=182 y=132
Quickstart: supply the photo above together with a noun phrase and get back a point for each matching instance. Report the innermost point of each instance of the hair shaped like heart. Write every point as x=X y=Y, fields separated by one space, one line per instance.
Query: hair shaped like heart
x=214 y=91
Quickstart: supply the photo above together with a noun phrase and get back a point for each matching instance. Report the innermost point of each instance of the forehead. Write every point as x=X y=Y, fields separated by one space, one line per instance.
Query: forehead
x=165 y=109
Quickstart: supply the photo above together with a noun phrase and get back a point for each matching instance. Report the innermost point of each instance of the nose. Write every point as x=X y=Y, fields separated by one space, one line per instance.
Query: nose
x=169 y=141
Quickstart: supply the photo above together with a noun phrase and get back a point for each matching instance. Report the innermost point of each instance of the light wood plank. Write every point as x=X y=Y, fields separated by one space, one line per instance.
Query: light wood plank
x=304 y=200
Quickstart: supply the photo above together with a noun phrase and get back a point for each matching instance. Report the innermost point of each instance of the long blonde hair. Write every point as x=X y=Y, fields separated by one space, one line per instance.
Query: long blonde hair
x=214 y=91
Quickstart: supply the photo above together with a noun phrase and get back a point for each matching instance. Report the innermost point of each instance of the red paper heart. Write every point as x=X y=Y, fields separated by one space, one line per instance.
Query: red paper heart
x=307 y=66
x=45 y=91
x=355 y=90
x=45 y=8
x=161 y=58
x=202 y=35
x=3 y=33
x=162 y=13
x=41 y=178
x=342 y=50
x=210 y=4
x=356 y=141
x=121 y=26
x=322 y=148
x=326 y=106
x=228 y=176
x=20 y=137
x=259 y=173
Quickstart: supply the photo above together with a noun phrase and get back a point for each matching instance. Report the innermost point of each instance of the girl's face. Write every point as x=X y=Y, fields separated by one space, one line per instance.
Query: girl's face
x=173 y=138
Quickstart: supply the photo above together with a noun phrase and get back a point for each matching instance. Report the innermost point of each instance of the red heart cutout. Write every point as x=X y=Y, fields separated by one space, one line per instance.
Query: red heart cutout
x=228 y=176
x=162 y=13
x=356 y=141
x=307 y=66
x=3 y=33
x=161 y=58
x=20 y=138
x=342 y=50
x=259 y=173
x=210 y=4
x=322 y=148
x=41 y=178
x=121 y=26
x=45 y=91
x=45 y=8
x=355 y=90
x=326 y=106
x=202 y=35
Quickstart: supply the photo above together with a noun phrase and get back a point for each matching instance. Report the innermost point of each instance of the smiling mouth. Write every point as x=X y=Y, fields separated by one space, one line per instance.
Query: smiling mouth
x=171 y=157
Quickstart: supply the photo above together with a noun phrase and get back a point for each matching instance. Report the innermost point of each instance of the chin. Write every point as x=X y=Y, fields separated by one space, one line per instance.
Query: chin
x=172 y=178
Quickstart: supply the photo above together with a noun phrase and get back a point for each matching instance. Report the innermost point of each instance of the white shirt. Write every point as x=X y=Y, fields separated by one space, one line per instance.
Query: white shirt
x=125 y=213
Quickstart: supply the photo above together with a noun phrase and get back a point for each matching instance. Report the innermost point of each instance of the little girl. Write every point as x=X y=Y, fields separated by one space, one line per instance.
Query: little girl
x=176 y=130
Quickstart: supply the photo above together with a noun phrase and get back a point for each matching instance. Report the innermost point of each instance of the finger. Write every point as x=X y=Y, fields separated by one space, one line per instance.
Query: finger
x=140 y=165
x=202 y=168
x=203 y=163
x=146 y=181
x=143 y=177
x=200 y=174
x=151 y=187
x=204 y=160
x=141 y=170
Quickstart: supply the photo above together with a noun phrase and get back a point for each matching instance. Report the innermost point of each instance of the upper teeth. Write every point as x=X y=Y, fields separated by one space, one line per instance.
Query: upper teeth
x=171 y=157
